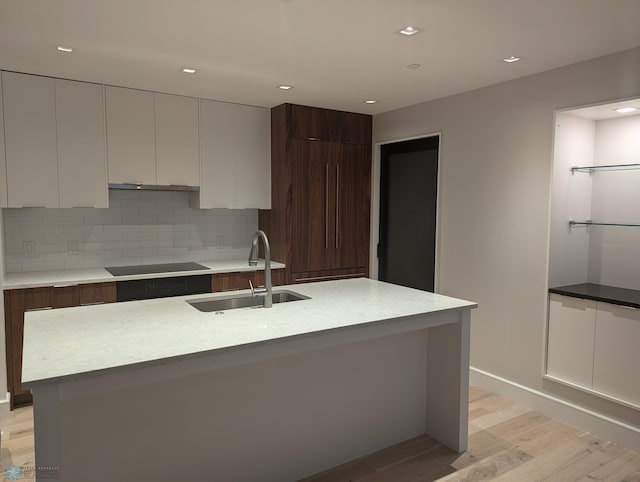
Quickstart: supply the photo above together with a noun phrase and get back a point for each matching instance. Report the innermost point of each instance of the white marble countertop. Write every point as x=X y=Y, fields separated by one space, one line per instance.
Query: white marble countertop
x=37 y=279
x=69 y=343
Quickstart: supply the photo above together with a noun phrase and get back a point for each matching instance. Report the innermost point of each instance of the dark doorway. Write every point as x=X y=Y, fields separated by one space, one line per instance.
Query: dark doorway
x=408 y=196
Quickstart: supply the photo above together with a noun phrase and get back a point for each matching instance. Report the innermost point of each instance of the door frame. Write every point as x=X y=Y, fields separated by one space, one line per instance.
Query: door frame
x=375 y=205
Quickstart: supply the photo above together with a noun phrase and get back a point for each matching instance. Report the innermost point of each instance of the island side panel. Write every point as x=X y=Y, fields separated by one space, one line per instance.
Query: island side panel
x=280 y=419
x=46 y=421
x=448 y=383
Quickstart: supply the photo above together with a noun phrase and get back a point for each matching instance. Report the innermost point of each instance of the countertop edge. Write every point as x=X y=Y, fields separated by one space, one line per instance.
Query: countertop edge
x=55 y=278
x=263 y=344
x=624 y=297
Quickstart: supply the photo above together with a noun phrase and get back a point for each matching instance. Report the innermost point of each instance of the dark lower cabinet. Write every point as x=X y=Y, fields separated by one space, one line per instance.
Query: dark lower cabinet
x=18 y=302
x=240 y=280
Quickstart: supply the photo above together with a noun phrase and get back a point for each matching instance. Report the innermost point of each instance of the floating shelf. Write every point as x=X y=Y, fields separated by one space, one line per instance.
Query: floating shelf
x=588 y=222
x=608 y=167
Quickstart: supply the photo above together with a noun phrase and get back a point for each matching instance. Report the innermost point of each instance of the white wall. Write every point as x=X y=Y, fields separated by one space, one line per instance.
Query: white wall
x=496 y=151
x=140 y=227
x=614 y=252
x=570 y=199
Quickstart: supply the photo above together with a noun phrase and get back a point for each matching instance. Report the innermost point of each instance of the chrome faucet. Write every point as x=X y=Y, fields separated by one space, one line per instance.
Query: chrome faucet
x=267 y=291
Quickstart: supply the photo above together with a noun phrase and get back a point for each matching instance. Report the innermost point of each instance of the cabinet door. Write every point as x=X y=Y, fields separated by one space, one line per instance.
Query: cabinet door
x=234 y=160
x=97 y=293
x=252 y=160
x=617 y=356
x=131 y=143
x=571 y=335
x=30 y=140
x=82 y=162
x=353 y=202
x=177 y=151
x=217 y=155
x=3 y=163
x=313 y=204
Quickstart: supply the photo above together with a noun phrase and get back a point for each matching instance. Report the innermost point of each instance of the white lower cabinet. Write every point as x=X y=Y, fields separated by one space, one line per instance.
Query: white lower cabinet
x=572 y=325
x=595 y=346
x=617 y=352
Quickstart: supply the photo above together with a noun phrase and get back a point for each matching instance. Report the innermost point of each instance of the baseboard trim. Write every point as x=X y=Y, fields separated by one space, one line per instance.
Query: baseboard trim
x=5 y=407
x=601 y=425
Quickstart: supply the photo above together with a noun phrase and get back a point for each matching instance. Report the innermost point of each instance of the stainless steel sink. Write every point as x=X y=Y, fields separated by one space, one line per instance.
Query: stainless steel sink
x=243 y=301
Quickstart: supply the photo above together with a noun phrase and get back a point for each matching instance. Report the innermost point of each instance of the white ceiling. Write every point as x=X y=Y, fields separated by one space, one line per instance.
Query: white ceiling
x=336 y=53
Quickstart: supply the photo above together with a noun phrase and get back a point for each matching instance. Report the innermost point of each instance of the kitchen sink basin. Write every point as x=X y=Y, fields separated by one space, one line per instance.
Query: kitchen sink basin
x=243 y=301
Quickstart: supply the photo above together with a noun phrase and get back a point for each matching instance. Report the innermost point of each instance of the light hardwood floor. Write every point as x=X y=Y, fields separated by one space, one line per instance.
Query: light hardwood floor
x=507 y=442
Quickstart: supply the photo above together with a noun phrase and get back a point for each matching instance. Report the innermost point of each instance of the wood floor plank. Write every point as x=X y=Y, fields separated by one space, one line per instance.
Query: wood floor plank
x=424 y=467
x=592 y=458
x=487 y=421
x=614 y=470
x=553 y=461
x=490 y=467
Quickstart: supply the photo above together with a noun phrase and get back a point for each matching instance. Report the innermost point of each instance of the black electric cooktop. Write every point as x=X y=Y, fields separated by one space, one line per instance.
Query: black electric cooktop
x=154 y=268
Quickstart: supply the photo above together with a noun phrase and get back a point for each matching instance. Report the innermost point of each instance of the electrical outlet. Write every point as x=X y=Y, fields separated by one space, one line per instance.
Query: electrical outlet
x=29 y=248
x=219 y=241
x=72 y=246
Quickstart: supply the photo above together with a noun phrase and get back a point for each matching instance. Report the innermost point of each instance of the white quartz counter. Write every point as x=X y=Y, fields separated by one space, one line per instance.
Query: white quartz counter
x=71 y=343
x=100 y=275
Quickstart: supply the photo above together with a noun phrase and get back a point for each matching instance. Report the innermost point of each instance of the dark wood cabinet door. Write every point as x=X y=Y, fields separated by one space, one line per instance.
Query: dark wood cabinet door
x=240 y=280
x=96 y=293
x=312 y=204
x=353 y=207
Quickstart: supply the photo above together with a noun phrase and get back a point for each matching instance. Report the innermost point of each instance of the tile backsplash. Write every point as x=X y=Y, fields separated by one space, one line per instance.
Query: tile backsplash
x=139 y=227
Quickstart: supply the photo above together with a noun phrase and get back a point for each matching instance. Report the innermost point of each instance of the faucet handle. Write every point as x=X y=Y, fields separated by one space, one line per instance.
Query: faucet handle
x=256 y=291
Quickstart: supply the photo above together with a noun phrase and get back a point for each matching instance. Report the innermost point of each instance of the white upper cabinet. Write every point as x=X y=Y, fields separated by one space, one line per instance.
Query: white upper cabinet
x=252 y=158
x=30 y=140
x=177 y=151
x=3 y=164
x=82 y=168
x=234 y=160
x=131 y=136
x=217 y=155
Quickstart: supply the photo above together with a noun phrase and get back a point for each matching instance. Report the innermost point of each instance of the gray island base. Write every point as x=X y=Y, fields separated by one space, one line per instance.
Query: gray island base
x=156 y=390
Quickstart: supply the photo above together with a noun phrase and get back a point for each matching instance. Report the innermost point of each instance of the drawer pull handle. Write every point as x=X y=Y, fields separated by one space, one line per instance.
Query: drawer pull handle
x=92 y=303
x=40 y=309
x=329 y=277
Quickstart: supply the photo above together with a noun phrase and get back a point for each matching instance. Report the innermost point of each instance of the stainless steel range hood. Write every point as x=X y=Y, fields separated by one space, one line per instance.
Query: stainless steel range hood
x=155 y=187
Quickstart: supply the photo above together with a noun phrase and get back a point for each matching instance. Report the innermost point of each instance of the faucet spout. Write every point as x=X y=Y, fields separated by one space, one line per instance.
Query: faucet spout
x=267 y=291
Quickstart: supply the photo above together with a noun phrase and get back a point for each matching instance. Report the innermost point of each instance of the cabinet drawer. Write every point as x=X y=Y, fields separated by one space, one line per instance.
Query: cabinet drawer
x=328 y=275
x=96 y=293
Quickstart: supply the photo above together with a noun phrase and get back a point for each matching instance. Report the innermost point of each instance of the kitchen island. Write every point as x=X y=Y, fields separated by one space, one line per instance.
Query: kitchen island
x=157 y=390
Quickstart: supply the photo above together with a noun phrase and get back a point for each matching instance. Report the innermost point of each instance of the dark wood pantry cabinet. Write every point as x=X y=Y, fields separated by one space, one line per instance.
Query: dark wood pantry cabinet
x=321 y=193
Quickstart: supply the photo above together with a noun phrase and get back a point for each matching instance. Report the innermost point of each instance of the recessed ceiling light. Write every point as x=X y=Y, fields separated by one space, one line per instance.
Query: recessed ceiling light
x=511 y=59
x=414 y=66
x=285 y=87
x=64 y=49
x=409 y=31
x=370 y=101
x=187 y=70
x=625 y=110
